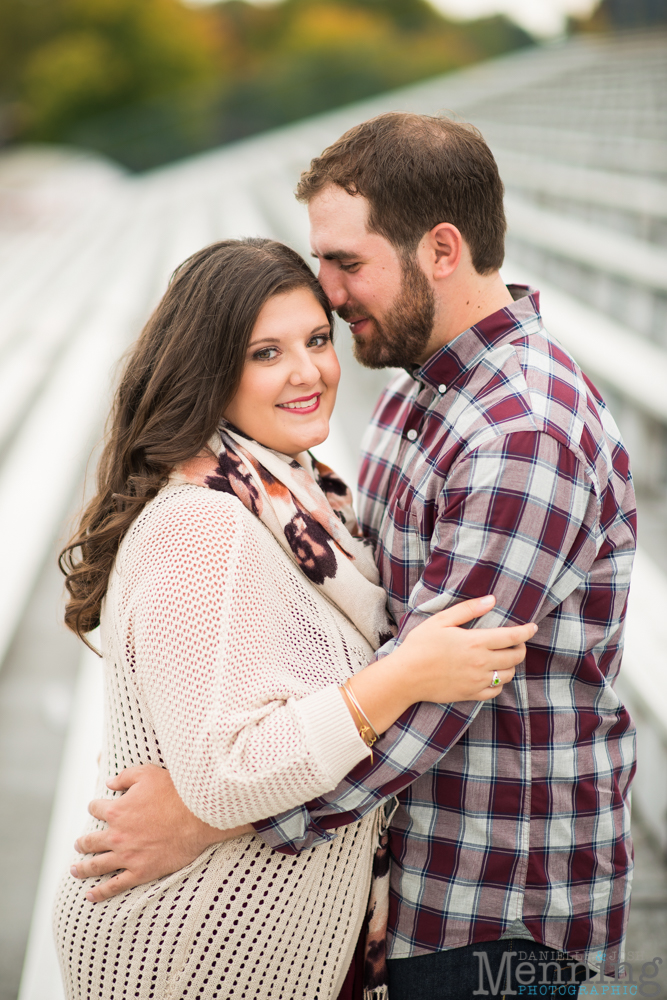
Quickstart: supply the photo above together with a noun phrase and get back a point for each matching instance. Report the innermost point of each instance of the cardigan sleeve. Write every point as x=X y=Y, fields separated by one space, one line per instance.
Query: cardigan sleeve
x=247 y=722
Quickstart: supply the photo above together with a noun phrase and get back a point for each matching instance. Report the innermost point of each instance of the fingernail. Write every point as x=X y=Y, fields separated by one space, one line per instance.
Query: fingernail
x=76 y=847
x=89 y=897
x=487 y=601
x=73 y=871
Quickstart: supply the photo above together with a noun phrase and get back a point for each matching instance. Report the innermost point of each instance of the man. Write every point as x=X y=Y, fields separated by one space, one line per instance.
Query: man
x=490 y=466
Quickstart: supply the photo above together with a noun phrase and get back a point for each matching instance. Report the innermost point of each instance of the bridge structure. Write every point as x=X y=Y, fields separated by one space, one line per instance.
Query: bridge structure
x=580 y=133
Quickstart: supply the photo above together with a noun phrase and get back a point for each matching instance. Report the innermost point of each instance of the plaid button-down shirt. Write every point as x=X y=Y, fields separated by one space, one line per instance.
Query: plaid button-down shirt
x=497 y=469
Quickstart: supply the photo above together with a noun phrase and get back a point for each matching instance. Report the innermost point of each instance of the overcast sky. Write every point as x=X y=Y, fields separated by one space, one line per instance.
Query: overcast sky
x=544 y=17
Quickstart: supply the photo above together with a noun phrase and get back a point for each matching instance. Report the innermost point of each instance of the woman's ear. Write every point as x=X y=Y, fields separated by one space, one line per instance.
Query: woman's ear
x=443 y=246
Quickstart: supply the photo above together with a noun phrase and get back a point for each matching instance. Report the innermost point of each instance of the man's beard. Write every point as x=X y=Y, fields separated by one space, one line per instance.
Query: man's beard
x=400 y=340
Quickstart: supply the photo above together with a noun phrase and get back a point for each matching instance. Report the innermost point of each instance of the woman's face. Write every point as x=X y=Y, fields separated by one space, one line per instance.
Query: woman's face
x=289 y=382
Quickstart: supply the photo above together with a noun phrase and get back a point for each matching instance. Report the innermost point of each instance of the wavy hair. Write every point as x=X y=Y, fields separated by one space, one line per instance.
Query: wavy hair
x=178 y=379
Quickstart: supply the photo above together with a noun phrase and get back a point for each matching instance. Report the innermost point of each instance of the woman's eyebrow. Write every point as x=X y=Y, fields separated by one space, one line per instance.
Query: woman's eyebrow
x=276 y=339
x=264 y=340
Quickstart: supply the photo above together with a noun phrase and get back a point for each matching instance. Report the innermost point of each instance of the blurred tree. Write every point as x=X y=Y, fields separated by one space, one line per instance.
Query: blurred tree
x=492 y=36
x=108 y=54
x=24 y=24
x=301 y=57
x=406 y=15
x=146 y=81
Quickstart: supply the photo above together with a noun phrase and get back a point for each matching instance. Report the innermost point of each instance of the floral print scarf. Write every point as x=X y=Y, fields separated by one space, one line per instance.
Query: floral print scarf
x=309 y=511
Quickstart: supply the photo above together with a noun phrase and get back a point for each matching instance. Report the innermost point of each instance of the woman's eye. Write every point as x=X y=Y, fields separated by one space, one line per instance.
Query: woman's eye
x=266 y=354
x=319 y=340
x=350 y=268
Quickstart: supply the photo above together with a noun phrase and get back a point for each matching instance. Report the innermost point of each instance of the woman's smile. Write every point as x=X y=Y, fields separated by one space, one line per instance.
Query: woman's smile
x=305 y=404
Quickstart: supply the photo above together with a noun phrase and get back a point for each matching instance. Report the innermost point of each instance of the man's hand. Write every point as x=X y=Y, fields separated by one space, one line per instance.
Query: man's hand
x=151 y=833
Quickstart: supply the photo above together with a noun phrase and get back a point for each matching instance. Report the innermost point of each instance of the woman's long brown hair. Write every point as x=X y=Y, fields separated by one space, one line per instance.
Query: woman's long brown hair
x=179 y=377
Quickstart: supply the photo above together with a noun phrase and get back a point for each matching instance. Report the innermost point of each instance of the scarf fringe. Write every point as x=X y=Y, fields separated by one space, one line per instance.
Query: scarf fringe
x=379 y=993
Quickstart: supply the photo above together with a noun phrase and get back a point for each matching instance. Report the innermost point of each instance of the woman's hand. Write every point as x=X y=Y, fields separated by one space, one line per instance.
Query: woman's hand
x=439 y=661
x=445 y=663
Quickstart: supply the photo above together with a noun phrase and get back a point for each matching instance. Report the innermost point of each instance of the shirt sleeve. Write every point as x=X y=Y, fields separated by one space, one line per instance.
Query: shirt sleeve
x=208 y=651
x=516 y=518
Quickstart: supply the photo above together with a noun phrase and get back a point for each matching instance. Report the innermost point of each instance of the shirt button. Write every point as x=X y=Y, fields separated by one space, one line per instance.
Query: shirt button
x=412 y=434
x=442 y=389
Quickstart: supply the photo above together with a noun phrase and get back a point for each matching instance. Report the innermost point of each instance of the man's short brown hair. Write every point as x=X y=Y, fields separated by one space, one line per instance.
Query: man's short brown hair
x=416 y=171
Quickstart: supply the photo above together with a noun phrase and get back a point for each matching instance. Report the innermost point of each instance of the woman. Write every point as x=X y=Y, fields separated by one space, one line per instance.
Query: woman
x=235 y=608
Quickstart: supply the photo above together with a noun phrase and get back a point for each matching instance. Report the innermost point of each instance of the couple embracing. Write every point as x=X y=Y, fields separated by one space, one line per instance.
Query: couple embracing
x=333 y=786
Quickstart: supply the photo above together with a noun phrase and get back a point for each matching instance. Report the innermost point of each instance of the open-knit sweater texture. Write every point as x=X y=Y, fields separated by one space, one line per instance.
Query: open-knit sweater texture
x=223 y=664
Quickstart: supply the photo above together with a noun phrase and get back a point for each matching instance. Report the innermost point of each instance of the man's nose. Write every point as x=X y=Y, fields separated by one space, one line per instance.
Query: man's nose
x=331 y=281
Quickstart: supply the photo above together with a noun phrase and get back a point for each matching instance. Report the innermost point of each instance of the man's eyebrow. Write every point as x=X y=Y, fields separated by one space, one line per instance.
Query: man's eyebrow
x=337 y=255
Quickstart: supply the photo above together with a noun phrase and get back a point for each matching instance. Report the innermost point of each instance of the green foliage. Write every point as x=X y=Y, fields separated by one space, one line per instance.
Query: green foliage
x=149 y=80
x=406 y=15
x=100 y=55
x=24 y=25
x=72 y=76
x=495 y=35
x=302 y=57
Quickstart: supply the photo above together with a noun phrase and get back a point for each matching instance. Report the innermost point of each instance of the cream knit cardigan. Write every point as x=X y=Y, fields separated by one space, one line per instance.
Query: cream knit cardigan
x=222 y=663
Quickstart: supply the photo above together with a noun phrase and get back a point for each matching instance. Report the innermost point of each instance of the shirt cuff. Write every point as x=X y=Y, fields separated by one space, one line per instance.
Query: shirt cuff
x=331 y=733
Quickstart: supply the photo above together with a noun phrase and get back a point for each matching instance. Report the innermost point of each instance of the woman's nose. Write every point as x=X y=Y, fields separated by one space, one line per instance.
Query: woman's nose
x=304 y=372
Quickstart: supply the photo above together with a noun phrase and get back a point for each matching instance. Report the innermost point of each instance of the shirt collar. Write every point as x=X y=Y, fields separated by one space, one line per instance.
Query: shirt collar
x=460 y=355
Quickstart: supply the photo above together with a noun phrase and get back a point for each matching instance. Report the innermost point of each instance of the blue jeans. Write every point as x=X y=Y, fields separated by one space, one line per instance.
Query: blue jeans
x=480 y=970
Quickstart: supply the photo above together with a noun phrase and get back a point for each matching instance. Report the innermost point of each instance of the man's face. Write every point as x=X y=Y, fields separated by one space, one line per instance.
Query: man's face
x=387 y=300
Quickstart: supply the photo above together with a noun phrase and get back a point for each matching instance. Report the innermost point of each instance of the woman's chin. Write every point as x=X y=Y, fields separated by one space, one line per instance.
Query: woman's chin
x=304 y=442
x=308 y=436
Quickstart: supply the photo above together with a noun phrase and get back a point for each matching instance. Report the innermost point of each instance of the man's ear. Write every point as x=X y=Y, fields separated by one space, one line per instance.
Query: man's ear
x=443 y=247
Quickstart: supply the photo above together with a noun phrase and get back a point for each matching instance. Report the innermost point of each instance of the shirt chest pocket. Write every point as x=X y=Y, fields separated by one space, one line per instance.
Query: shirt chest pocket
x=405 y=540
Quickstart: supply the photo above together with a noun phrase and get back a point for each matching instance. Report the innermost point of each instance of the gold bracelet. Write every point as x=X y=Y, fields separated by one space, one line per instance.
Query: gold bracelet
x=366 y=730
x=360 y=711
